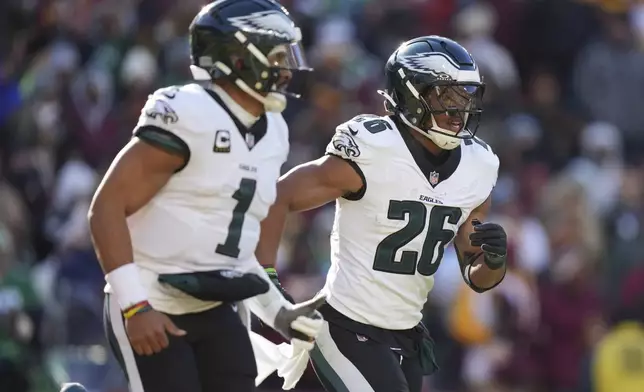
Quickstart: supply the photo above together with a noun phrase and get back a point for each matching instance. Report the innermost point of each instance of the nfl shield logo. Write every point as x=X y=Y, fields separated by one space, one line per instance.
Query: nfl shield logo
x=433 y=178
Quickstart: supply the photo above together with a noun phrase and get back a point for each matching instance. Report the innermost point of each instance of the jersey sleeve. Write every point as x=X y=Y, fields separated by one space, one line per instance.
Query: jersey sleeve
x=353 y=141
x=163 y=122
x=487 y=164
x=492 y=163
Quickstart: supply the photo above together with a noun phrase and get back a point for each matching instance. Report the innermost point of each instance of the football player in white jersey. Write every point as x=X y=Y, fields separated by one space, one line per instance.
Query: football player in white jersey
x=176 y=219
x=405 y=185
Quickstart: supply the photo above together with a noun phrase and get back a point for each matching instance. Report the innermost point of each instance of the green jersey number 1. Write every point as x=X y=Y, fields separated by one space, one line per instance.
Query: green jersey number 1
x=244 y=196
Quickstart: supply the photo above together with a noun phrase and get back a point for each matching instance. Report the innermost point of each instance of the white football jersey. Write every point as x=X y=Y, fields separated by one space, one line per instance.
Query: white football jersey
x=387 y=242
x=208 y=215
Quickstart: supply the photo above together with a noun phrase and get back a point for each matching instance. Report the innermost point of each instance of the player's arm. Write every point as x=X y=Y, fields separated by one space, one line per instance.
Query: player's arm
x=305 y=187
x=300 y=323
x=481 y=250
x=135 y=176
x=137 y=173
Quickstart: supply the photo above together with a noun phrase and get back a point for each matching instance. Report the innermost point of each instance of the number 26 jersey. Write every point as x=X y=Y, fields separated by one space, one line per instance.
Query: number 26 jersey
x=388 y=239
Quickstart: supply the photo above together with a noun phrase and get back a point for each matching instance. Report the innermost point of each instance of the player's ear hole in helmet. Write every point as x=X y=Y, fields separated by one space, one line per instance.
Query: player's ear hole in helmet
x=252 y=43
x=434 y=87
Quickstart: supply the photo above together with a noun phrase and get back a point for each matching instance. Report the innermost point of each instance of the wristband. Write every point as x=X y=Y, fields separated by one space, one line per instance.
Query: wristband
x=494 y=262
x=271 y=271
x=126 y=285
x=135 y=309
x=267 y=305
x=272 y=274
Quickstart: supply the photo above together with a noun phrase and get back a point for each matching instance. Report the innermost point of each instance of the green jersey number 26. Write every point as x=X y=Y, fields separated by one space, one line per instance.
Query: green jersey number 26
x=437 y=237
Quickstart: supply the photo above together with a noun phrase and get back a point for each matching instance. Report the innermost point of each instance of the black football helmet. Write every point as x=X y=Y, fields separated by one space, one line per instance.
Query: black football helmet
x=432 y=80
x=253 y=43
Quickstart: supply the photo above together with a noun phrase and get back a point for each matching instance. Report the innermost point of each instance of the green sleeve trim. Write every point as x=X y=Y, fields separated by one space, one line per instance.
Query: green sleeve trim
x=166 y=141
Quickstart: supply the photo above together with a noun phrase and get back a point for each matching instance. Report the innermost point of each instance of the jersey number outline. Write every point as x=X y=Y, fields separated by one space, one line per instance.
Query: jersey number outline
x=436 y=239
x=244 y=196
x=376 y=125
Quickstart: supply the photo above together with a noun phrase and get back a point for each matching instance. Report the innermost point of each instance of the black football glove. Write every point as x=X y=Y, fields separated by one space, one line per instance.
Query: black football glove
x=492 y=240
x=272 y=274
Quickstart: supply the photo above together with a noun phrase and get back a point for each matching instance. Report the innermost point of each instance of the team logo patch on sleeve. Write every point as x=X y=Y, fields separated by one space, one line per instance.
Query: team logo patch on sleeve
x=161 y=110
x=345 y=144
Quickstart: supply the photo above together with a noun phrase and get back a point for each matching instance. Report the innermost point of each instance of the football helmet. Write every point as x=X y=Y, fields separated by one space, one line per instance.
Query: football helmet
x=434 y=87
x=253 y=43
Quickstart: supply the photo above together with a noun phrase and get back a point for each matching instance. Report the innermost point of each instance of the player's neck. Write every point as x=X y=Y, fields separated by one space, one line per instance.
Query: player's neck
x=248 y=103
x=427 y=144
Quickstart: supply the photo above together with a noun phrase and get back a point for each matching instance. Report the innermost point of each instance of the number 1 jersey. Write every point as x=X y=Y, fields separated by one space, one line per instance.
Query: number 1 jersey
x=208 y=215
x=388 y=239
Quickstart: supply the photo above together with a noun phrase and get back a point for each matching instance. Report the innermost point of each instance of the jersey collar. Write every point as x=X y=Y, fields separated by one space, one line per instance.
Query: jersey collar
x=251 y=134
x=434 y=171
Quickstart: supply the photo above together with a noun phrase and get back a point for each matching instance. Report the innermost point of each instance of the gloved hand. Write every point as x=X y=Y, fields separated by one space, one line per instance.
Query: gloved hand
x=492 y=240
x=272 y=274
x=301 y=323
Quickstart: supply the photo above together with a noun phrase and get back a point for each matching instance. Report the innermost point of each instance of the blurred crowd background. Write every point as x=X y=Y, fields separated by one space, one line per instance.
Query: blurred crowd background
x=564 y=112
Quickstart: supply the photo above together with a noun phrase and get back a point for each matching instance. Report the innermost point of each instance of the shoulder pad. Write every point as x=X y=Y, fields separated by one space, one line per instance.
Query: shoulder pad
x=483 y=156
x=359 y=138
x=476 y=146
x=370 y=124
x=171 y=109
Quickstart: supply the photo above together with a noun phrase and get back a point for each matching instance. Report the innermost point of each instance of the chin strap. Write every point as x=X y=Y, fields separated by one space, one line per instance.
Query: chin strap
x=388 y=99
x=273 y=102
x=436 y=134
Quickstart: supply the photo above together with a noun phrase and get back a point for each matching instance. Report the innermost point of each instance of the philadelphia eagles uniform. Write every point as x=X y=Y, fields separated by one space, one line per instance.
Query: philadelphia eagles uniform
x=387 y=242
x=378 y=275
x=193 y=243
x=207 y=216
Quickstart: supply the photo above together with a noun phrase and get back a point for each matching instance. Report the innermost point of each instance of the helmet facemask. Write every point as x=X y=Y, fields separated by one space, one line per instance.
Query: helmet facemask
x=264 y=71
x=445 y=111
x=454 y=111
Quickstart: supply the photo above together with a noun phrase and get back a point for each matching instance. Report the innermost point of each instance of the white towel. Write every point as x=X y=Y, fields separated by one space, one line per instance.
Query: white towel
x=290 y=361
x=292 y=369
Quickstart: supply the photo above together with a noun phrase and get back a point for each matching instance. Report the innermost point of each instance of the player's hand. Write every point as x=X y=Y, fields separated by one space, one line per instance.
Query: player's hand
x=301 y=323
x=492 y=240
x=147 y=331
